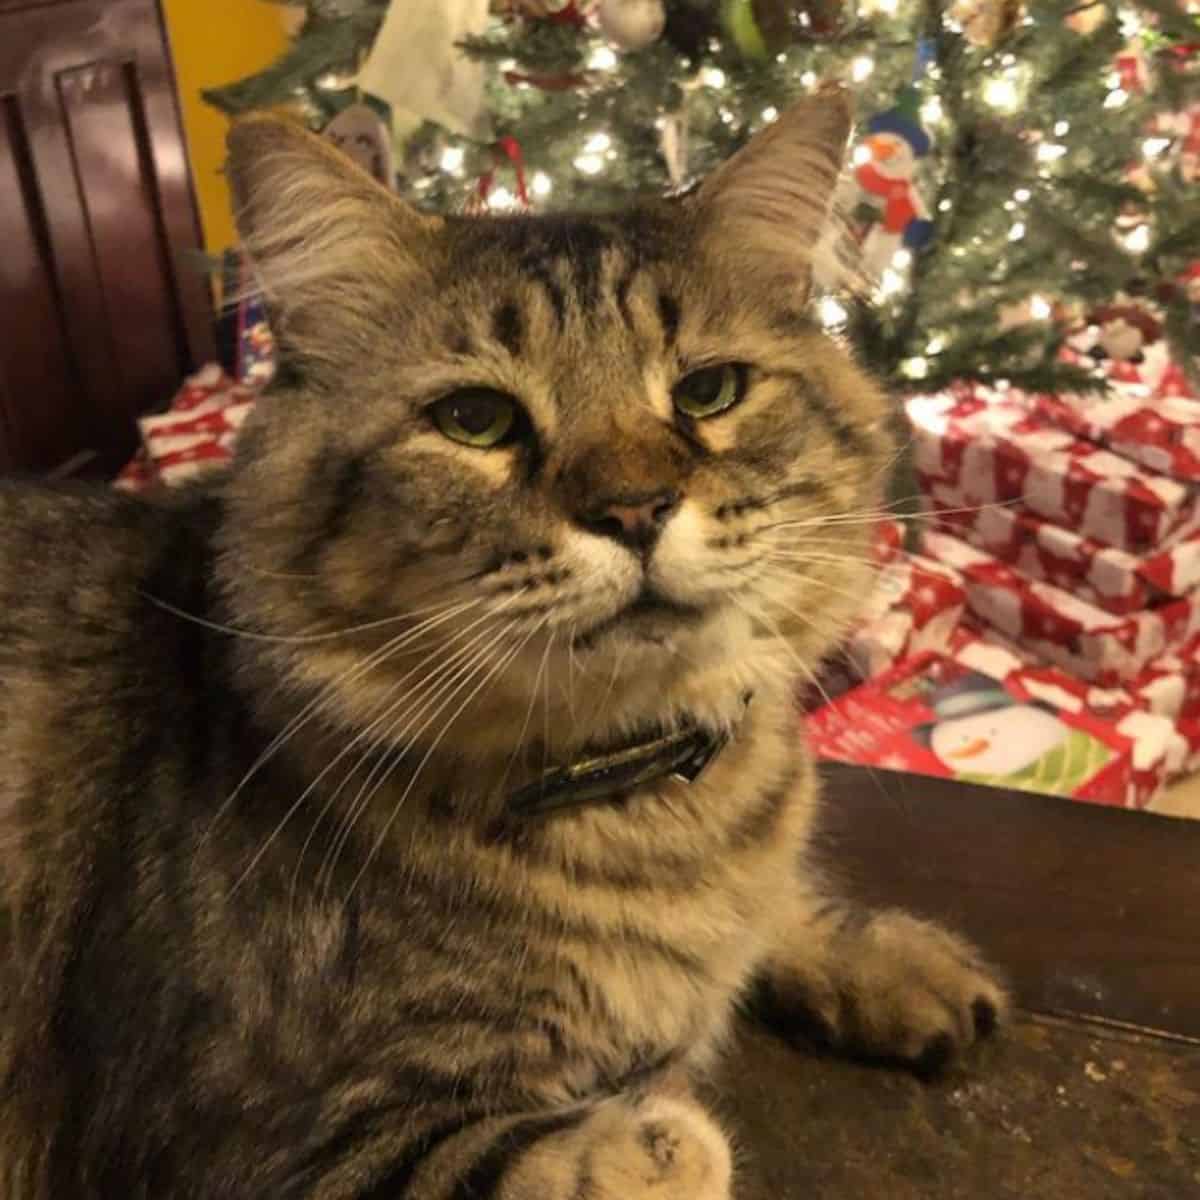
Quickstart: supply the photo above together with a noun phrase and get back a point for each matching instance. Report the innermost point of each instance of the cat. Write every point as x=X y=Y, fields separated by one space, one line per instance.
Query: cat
x=297 y=902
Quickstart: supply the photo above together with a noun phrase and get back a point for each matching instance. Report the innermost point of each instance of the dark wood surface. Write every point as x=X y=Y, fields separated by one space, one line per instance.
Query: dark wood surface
x=1089 y=910
x=102 y=303
x=1049 y=1110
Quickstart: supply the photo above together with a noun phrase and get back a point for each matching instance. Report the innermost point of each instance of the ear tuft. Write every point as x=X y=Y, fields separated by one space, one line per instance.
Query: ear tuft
x=775 y=196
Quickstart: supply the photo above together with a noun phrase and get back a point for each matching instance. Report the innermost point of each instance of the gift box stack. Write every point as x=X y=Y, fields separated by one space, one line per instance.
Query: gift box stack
x=1070 y=527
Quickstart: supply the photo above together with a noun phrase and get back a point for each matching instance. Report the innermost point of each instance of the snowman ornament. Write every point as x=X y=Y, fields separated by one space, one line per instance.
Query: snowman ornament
x=887 y=162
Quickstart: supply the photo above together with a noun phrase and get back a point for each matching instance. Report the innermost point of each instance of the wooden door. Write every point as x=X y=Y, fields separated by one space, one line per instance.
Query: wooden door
x=103 y=305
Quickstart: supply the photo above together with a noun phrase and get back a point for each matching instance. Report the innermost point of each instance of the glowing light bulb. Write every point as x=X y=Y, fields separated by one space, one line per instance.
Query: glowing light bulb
x=891 y=283
x=602 y=58
x=597 y=143
x=861 y=155
x=832 y=313
x=712 y=77
x=915 y=368
x=936 y=345
x=1039 y=308
x=1062 y=128
x=944 y=206
x=1047 y=152
x=541 y=184
x=808 y=79
x=1022 y=194
x=902 y=259
x=1153 y=147
x=932 y=111
x=589 y=164
x=1017 y=232
x=1001 y=94
x=770 y=113
x=861 y=68
x=501 y=197
x=1138 y=240
x=452 y=159
x=1115 y=98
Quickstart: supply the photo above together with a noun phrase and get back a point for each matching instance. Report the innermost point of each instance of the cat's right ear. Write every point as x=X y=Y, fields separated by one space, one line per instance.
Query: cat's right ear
x=316 y=227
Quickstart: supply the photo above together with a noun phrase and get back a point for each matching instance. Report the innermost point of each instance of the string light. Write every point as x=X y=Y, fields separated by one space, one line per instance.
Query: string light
x=861 y=156
x=1047 y=152
x=808 y=79
x=1001 y=94
x=861 y=68
x=944 y=206
x=1153 y=147
x=902 y=259
x=541 y=184
x=589 y=164
x=1022 y=194
x=1017 y=232
x=936 y=344
x=932 y=111
x=597 y=143
x=1115 y=98
x=1062 y=128
x=915 y=368
x=602 y=58
x=501 y=197
x=891 y=283
x=1137 y=241
x=1039 y=308
x=712 y=77
x=452 y=159
x=770 y=113
x=832 y=313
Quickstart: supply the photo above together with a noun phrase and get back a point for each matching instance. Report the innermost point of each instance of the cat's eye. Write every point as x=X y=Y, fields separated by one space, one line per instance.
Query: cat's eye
x=477 y=416
x=710 y=390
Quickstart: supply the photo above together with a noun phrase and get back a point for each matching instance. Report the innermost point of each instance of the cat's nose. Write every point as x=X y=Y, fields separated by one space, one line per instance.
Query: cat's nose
x=634 y=521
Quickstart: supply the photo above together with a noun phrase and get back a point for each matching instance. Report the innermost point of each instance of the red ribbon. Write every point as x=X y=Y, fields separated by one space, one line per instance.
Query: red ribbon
x=506 y=148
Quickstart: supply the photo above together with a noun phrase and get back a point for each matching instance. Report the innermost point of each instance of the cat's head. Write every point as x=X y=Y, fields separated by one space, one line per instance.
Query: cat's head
x=610 y=459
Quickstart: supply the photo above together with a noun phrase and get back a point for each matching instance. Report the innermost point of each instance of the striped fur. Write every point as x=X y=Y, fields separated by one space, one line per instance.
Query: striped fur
x=269 y=929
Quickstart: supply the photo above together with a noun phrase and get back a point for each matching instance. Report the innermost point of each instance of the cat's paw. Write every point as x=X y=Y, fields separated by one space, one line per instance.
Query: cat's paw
x=896 y=989
x=668 y=1149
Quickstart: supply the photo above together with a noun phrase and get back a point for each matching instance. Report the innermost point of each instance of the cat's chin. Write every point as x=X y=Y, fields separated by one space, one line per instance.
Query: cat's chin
x=650 y=618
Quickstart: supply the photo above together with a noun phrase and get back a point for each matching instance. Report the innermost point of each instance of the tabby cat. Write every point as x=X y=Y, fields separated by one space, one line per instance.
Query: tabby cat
x=528 y=492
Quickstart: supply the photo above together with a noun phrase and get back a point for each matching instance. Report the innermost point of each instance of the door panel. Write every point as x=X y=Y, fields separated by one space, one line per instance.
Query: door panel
x=102 y=303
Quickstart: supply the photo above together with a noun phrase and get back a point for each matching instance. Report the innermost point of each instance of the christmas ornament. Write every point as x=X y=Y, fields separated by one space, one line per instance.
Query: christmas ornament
x=985 y=22
x=760 y=29
x=507 y=149
x=894 y=143
x=1087 y=18
x=359 y=131
x=417 y=67
x=631 y=24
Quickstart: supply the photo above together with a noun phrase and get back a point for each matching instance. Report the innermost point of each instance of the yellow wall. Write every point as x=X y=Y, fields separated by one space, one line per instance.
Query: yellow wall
x=216 y=42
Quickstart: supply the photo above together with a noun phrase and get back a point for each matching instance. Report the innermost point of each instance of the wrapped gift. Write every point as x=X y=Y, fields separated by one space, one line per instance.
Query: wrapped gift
x=1102 y=575
x=1168 y=687
x=1161 y=432
x=916 y=605
x=1086 y=641
x=197 y=434
x=934 y=716
x=137 y=475
x=887 y=540
x=991 y=447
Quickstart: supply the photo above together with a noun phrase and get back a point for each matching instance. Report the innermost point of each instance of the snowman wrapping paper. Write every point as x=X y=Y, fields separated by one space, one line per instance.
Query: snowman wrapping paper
x=932 y=715
x=996 y=449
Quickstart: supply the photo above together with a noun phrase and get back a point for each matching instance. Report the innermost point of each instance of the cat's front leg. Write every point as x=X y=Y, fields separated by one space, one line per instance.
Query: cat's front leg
x=655 y=1147
x=878 y=984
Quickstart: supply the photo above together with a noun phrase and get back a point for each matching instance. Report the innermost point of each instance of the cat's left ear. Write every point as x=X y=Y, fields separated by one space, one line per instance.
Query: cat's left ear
x=774 y=199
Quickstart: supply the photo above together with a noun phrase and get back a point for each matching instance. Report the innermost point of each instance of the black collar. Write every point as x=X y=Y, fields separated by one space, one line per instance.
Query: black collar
x=605 y=776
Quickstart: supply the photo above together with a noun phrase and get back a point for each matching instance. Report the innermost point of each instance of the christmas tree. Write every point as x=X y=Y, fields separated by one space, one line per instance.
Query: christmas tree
x=1019 y=164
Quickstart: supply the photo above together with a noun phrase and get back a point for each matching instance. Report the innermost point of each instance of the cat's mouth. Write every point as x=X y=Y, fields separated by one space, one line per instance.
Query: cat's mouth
x=650 y=617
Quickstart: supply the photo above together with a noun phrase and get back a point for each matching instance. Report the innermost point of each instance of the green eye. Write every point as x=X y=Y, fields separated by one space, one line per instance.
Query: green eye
x=710 y=390
x=478 y=417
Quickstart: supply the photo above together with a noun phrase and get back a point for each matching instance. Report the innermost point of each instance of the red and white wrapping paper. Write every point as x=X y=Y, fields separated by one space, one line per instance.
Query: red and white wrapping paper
x=197 y=434
x=1098 y=646
x=933 y=715
x=1160 y=432
x=1111 y=579
x=915 y=607
x=994 y=449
